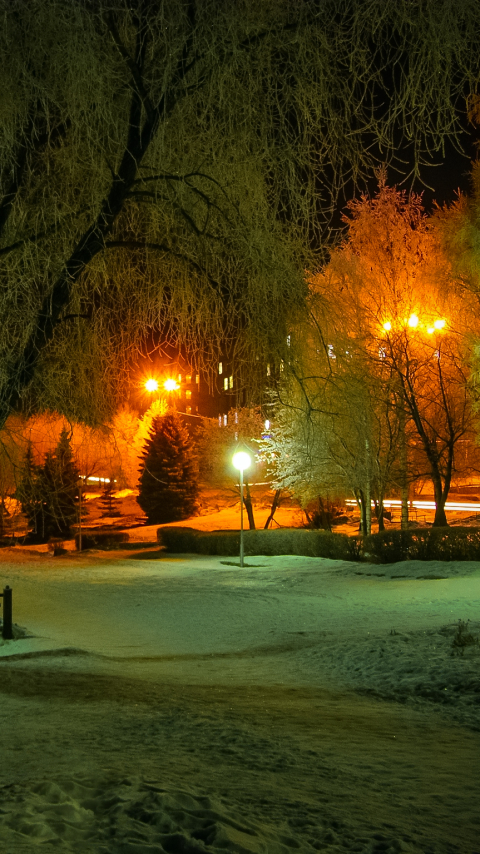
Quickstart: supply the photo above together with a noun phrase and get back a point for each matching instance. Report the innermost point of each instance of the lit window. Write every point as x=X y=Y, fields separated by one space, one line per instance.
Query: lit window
x=230 y=382
x=225 y=384
x=225 y=420
x=269 y=371
x=188 y=410
x=236 y=417
x=219 y=420
x=188 y=394
x=236 y=436
x=281 y=365
x=267 y=424
x=220 y=367
x=188 y=378
x=289 y=340
x=179 y=378
x=197 y=379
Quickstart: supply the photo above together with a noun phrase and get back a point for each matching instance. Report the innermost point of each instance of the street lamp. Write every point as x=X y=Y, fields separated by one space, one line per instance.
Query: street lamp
x=241 y=460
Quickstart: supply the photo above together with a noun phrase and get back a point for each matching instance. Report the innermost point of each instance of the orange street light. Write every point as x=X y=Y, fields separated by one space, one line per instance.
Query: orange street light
x=151 y=385
x=170 y=385
x=413 y=321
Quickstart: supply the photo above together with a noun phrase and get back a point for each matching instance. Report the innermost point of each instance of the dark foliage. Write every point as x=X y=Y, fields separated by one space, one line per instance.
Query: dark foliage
x=424 y=544
x=49 y=494
x=104 y=540
x=109 y=503
x=294 y=541
x=169 y=480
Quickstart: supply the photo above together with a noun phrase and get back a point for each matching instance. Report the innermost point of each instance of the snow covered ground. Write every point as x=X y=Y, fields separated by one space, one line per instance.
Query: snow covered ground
x=182 y=704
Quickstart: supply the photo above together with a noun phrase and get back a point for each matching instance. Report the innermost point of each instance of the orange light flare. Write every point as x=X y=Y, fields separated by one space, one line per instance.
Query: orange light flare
x=170 y=385
x=414 y=322
x=151 y=385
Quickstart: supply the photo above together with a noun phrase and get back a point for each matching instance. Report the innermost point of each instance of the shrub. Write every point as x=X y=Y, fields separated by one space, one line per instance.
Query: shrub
x=101 y=540
x=295 y=541
x=424 y=544
x=168 y=486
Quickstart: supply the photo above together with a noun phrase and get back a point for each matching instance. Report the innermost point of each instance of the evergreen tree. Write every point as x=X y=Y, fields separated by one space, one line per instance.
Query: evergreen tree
x=168 y=482
x=60 y=487
x=49 y=494
x=109 y=503
x=29 y=491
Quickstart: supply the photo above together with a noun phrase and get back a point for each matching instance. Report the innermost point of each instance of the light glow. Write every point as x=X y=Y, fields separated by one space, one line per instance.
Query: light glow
x=241 y=460
x=413 y=321
x=459 y=506
x=439 y=324
x=151 y=385
x=170 y=385
x=387 y=326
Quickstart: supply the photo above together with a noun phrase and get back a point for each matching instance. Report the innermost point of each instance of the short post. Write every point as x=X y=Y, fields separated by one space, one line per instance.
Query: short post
x=7 y=631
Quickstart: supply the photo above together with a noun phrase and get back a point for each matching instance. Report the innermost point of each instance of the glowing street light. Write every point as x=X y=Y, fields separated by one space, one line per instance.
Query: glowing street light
x=151 y=385
x=413 y=321
x=170 y=385
x=387 y=326
x=241 y=460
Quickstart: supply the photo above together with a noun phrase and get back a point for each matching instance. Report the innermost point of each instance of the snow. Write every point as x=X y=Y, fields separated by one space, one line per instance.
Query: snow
x=183 y=704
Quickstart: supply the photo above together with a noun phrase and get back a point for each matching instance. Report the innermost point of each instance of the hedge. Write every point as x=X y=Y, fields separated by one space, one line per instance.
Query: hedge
x=423 y=544
x=101 y=540
x=294 y=541
x=385 y=547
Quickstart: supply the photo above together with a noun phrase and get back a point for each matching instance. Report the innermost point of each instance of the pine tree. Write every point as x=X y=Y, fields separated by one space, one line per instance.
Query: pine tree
x=168 y=482
x=29 y=491
x=49 y=494
x=60 y=487
x=109 y=503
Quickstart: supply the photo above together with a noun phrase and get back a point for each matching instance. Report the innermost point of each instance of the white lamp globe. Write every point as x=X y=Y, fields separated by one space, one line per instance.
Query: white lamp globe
x=241 y=460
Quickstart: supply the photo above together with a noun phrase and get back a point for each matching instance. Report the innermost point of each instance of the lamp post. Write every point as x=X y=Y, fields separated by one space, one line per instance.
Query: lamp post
x=241 y=460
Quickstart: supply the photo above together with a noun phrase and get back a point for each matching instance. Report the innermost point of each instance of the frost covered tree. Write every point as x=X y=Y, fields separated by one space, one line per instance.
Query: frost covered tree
x=170 y=165
x=403 y=327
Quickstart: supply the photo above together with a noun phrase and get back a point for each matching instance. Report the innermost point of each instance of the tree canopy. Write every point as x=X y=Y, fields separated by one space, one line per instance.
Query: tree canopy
x=170 y=165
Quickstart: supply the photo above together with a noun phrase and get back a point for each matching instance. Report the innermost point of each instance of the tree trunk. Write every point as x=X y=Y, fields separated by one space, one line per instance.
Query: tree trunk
x=248 y=506
x=368 y=495
x=403 y=466
x=379 y=514
x=359 y=495
x=275 y=503
x=440 y=519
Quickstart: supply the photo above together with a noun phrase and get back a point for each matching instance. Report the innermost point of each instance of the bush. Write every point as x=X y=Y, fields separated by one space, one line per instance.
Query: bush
x=424 y=544
x=101 y=540
x=294 y=541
